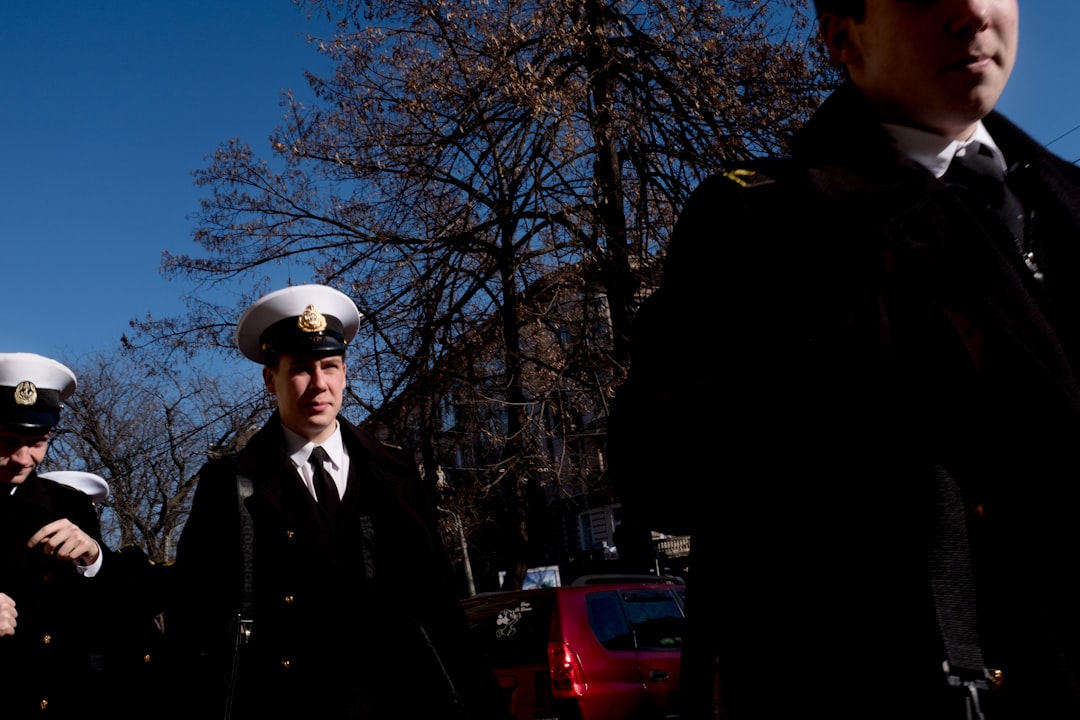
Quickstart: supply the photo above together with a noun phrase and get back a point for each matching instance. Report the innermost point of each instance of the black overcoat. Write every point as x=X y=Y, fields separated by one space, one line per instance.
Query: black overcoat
x=52 y=665
x=831 y=331
x=355 y=618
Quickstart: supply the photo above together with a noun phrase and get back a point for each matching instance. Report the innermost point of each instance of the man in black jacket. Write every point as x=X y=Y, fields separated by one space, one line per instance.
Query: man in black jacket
x=50 y=547
x=348 y=587
x=882 y=498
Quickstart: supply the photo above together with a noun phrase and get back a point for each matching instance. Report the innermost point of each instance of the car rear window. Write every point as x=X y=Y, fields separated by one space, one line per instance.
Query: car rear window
x=512 y=630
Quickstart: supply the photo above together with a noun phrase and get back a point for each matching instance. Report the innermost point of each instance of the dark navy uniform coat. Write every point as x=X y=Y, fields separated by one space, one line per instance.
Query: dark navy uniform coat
x=51 y=667
x=831 y=332
x=354 y=617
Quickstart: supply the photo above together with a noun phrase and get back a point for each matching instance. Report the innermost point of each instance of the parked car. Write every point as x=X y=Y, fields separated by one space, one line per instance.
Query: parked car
x=596 y=650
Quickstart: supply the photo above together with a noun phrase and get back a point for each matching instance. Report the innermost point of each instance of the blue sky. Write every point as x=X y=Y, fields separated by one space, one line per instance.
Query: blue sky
x=109 y=105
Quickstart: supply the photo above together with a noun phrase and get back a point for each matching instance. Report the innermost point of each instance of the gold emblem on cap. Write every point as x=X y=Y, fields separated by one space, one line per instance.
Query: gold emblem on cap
x=25 y=393
x=312 y=320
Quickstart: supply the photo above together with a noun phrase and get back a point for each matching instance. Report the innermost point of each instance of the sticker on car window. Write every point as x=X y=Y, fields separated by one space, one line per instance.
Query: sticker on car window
x=507 y=619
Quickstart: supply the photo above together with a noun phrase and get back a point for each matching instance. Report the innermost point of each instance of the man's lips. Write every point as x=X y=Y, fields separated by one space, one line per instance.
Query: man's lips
x=975 y=62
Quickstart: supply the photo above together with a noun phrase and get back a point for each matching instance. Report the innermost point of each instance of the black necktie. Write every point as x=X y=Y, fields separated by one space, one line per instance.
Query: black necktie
x=976 y=169
x=325 y=489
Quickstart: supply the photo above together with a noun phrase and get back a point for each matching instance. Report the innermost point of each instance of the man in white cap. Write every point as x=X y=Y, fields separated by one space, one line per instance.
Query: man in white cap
x=858 y=389
x=348 y=584
x=49 y=538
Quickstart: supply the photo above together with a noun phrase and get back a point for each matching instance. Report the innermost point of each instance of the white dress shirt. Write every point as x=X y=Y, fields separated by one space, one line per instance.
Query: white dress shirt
x=299 y=450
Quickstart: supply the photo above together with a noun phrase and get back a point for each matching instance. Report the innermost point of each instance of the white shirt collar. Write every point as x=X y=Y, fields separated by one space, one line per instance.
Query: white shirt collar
x=299 y=447
x=934 y=152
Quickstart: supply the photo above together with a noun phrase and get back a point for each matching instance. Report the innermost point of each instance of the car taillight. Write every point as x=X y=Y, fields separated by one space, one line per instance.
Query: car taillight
x=567 y=675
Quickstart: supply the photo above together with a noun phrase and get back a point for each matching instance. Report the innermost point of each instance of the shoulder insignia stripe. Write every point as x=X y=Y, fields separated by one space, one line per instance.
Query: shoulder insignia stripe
x=748 y=178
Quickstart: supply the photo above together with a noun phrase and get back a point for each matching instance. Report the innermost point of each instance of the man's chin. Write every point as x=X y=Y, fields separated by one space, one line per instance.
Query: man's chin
x=322 y=418
x=982 y=98
x=318 y=422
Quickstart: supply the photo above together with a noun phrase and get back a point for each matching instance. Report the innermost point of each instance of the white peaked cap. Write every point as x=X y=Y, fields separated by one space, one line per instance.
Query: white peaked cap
x=299 y=320
x=93 y=485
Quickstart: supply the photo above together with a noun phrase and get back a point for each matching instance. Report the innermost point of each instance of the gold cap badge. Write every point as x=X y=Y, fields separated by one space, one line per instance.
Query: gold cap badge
x=312 y=320
x=25 y=393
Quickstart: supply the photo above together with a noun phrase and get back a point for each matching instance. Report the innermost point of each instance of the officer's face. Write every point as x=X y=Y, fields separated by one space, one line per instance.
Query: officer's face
x=939 y=65
x=20 y=453
x=309 y=392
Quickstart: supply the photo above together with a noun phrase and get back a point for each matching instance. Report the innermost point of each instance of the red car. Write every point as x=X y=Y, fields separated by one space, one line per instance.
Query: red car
x=596 y=650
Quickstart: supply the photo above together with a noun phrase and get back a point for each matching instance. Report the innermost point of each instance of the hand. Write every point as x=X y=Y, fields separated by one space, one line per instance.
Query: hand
x=65 y=541
x=8 y=613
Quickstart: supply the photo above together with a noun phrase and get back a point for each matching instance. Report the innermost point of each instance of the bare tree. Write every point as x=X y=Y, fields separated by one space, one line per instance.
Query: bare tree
x=465 y=150
x=147 y=426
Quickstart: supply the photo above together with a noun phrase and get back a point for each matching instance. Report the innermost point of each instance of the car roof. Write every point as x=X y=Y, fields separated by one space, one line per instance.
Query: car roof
x=610 y=583
x=607 y=579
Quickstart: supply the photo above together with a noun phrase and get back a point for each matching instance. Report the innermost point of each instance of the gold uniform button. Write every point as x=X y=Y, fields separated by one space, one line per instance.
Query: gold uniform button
x=289 y=599
x=285 y=664
x=290 y=534
x=146 y=658
x=46 y=639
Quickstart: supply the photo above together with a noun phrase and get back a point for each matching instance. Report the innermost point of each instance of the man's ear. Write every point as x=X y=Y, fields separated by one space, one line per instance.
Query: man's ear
x=836 y=33
x=268 y=380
